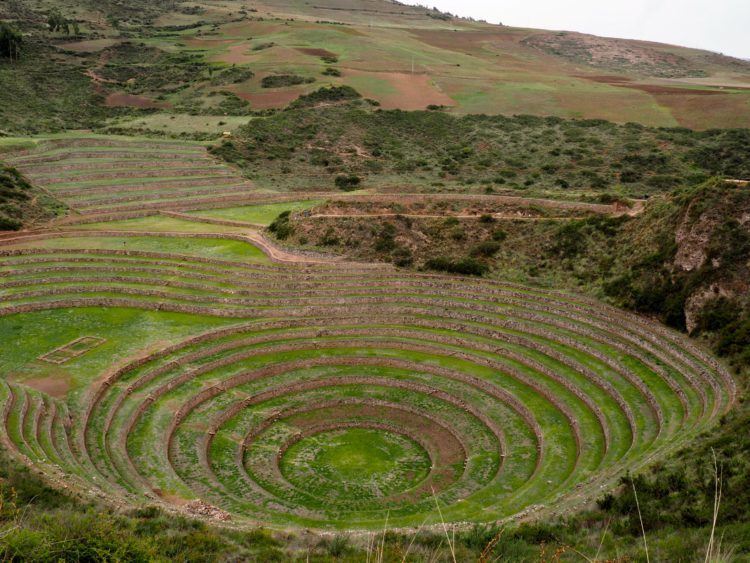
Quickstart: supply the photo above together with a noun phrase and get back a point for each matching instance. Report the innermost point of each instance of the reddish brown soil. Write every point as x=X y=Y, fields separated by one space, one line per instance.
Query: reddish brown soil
x=55 y=386
x=671 y=90
x=604 y=78
x=121 y=99
x=625 y=82
x=316 y=52
x=90 y=46
x=463 y=41
x=412 y=91
x=236 y=54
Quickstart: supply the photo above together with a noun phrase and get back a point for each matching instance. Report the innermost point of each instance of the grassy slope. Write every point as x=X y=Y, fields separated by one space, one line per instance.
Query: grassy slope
x=40 y=522
x=404 y=57
x=21 y=204
x=433 y=151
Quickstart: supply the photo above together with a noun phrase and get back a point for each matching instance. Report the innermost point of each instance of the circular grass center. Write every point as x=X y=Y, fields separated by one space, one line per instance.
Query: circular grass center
x=366 y=462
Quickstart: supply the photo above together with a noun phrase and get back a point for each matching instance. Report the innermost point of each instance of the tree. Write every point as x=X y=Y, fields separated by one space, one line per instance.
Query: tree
x=10 y=41
x=57 y=22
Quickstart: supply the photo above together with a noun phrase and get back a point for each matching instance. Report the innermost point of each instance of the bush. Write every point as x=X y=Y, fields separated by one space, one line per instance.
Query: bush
x=330 y=71
x=499 y=235
x=326 y=95
x=466 y=266
x=283 y=80
x=402 y=257
x=329 y=238
x=486 y=249
x=717 y=314
x=281 y=227
x=386 y=241
x=231 y=75
x=734 y=340
x=348 y=183
x=10 y=41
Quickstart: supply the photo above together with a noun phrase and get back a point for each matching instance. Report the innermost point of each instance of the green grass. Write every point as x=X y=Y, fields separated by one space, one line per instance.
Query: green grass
x=205 y=247
x=360 y=457
x=178 y=124
x=159 y=223
x=393 y=362
x=127 y=331
x=257 y=214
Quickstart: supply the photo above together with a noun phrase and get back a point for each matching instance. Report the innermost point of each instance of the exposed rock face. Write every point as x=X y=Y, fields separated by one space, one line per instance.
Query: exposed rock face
x=201 y=508
x=692 y=238
x=699 y=230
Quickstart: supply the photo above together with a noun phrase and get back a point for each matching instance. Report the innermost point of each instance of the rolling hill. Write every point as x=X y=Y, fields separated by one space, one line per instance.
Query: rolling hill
x=402 y=56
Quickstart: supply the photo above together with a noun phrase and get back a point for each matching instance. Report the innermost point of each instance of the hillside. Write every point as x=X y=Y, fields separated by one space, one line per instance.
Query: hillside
x=434 y=151
x=22 y=204
x=206 y=59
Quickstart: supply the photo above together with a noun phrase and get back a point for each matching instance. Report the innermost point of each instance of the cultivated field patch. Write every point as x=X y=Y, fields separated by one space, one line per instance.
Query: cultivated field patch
x=98 y=176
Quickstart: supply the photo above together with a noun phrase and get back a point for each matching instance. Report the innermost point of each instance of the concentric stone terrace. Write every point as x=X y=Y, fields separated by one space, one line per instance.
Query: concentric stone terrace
x=342 y=395
x=99 y=176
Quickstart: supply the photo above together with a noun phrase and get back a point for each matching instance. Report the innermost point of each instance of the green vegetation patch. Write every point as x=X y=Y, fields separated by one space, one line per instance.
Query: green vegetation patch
x=357 y=462
x=21 y=204
x=218 y=248
x=257 y=214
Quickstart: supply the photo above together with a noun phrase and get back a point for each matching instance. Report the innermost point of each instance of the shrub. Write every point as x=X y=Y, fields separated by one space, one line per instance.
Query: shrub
x=329 y=238
x=231 y=75
x=466 y=266
x=338 y=546
x=499 y=235
x=330 y=71
x=458 y=234
x=281 y=227
x=326 y=95
x=348 y=183
x=487 y=249
x=283 y=80
x=663 y=182
x=734 y=340
x=630 y=176
x=717 y=314
x=10 y=41
x=386 y=241
x=402 y=257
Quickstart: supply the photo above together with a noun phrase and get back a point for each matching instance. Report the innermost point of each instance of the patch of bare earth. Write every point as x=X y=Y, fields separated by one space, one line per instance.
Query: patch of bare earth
x=411 y=91
x=90 y=46
x=55 y=386
x=316 y=52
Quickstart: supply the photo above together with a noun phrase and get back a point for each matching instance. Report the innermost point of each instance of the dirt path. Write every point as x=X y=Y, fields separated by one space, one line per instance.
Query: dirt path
x=275 y=252
x=442 y=216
